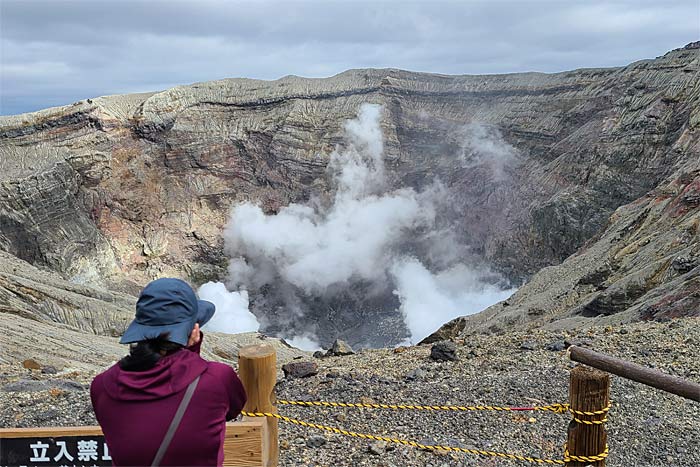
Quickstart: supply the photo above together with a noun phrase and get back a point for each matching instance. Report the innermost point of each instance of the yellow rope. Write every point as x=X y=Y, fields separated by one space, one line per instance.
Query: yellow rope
x=591 y=422
x=599 y=457
x=556 y=408
x=404 y=442
x=597 y=412
x=603 y=411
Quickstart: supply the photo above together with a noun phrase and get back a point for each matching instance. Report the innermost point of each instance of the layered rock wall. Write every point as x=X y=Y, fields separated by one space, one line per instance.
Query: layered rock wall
x=117 y=190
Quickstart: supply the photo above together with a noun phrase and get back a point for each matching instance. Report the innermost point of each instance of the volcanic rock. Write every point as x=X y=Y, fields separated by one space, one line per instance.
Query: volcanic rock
x=31 y=364
x=556 y=346
x=444 y=351
x=450 y=330
x=528 y=345
x=300 y=369
x=377 y=448
x=99 y=197
x=416 y=373
x=340 y=348
x=49 y=370
x=569 y=341
x=316 y=441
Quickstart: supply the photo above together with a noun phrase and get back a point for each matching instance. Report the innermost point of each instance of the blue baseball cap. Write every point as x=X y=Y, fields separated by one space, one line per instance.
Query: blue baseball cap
x=167 y=305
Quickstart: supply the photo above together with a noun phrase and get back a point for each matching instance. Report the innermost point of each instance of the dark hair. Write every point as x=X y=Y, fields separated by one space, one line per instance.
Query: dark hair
x=144 y=355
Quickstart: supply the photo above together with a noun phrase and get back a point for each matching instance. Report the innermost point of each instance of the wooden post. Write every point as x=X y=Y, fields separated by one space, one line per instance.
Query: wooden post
x=655 y=378
x=257 y=368
x=589 y=391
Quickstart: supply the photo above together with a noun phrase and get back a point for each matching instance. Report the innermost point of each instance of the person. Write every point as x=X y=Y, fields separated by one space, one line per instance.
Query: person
x=137 y=399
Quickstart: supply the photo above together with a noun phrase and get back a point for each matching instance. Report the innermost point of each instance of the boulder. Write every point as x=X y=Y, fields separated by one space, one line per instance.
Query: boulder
x=340 y=348
x=315 y=441
x=556 y=346
x=377 y=448
x=416 y=373
x=300 y=369
x=528 y=345
x=444 y=351
x=49 y=370
x=31 y=364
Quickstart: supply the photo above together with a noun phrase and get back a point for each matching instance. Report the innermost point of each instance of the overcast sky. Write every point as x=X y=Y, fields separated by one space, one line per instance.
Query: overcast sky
x=57 y=52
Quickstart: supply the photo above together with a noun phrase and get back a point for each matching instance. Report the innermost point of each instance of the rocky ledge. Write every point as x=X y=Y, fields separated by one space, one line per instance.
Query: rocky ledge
x=647 y=427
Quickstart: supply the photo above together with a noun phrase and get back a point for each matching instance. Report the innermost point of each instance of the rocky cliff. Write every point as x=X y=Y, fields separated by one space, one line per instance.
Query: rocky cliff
x=113 y=191
x=644 y=265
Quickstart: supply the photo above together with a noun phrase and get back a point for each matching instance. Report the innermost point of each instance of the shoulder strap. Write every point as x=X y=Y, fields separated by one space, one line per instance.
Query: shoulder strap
x=175 y=423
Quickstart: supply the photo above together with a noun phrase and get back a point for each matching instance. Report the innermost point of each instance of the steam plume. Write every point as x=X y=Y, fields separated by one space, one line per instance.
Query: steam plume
x=394 y=245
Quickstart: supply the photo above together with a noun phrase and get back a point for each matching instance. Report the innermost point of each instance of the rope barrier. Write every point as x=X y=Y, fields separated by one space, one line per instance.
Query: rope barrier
x=556 y=408
x=600 y=457
x=591 y=422
x=603 y=411
x=597 y=412
x=478 y=452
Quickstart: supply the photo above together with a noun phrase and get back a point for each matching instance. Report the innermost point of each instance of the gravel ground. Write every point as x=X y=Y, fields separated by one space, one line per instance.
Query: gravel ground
x=646 y=427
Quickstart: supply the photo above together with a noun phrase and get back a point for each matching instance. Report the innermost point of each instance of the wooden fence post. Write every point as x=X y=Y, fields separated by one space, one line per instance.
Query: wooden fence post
x=257 y=368
x=589 y=391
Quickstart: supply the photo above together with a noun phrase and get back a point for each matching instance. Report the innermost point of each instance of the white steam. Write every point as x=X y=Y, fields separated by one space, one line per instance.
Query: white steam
x=430 y=300
x=314 y=248
x=232 y=315
x=304 y=342
x=484 y=146
x=394 y=240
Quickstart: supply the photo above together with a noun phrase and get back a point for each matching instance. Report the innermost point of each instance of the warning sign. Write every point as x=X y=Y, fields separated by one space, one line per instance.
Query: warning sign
x=63 y=451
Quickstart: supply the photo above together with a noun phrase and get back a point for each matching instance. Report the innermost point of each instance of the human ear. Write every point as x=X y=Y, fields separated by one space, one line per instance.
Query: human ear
x=195 y=336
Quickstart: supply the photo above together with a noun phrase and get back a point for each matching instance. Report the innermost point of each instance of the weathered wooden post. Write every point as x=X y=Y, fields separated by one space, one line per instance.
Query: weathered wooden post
x=589 y=391
x=257 y=368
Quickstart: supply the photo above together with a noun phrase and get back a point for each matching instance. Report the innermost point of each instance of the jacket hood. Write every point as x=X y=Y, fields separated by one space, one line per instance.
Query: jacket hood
x=170 y=375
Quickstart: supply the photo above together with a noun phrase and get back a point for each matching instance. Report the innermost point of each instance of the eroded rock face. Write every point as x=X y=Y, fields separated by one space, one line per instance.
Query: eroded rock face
x=644 y=265
x=116 y=191
x=64 y=348
x=44 y=296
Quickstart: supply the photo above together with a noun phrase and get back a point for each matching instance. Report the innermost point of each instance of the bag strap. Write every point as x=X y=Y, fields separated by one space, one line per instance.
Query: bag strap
x=175 y=423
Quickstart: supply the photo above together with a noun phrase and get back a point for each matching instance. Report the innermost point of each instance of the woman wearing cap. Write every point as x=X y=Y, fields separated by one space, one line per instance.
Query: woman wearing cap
x=163 y=404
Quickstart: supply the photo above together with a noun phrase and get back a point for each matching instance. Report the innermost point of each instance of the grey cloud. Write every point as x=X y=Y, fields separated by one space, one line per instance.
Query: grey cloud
x=57 y=52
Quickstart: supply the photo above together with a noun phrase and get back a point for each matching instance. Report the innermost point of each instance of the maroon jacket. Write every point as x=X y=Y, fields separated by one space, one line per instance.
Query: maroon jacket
x=136 y=408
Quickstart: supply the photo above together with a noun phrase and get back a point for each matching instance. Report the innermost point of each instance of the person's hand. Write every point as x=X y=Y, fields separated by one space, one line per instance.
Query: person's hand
x=195 y=336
